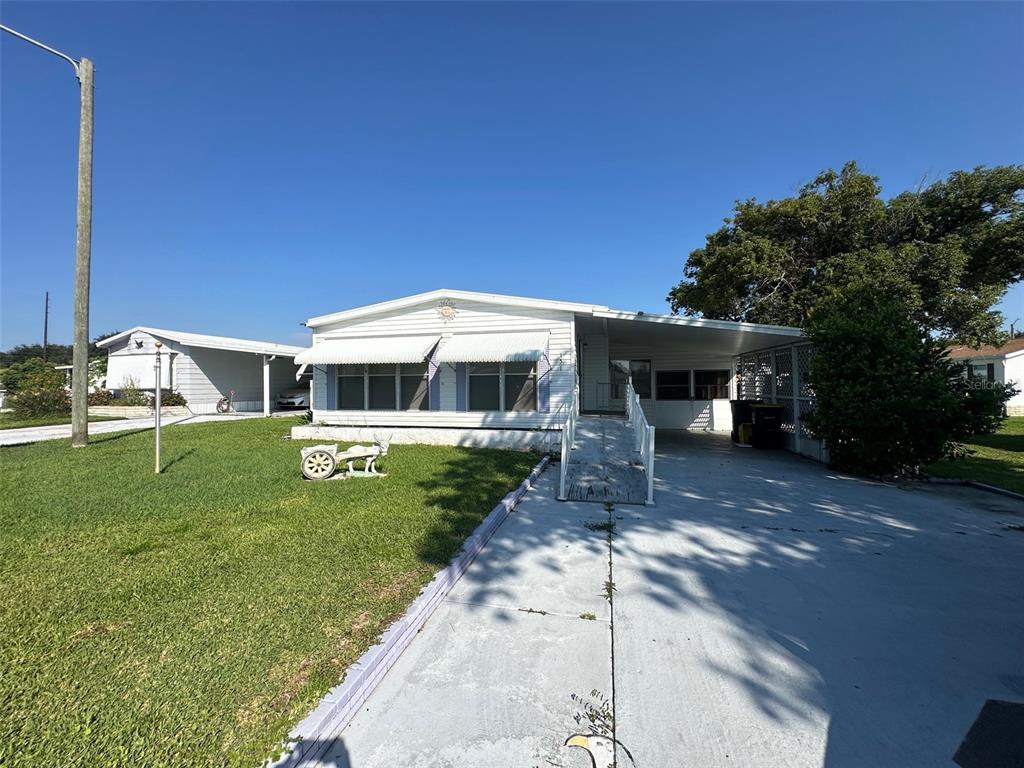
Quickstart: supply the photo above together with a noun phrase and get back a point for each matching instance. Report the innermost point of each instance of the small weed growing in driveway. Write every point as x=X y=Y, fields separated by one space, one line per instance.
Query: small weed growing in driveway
x=588 y=616
x=607 y=527
x=609 y=589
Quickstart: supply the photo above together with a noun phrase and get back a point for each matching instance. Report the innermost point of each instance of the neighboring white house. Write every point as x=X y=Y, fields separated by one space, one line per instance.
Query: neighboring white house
x=484 y=369
x=203 y=368
x=1003 y=364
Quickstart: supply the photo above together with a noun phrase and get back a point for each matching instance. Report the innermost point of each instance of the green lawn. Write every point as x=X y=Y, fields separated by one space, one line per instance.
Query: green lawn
x=190 y=618
x=997 y=459
x=10 y=421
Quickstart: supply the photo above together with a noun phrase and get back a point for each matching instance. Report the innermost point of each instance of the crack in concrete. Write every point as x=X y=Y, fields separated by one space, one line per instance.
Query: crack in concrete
x=611 y=628
x=523 y=609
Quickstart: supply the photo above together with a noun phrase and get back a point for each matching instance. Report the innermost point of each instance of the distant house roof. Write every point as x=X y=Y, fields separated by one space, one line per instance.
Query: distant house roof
x=209 y=342
x=987 y=350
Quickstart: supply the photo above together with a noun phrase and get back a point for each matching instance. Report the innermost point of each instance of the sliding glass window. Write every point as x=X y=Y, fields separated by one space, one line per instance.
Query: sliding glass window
x=351 y=388
x=711 y=385
x=414 y=387
x=484 y=386
x=381 y=387
x=520 y=386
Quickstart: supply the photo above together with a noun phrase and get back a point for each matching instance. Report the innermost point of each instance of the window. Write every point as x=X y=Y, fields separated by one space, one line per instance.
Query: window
x=711 y=385
x=673 y=385
x=382 y=387
x=350 y=388
x=986 y=371
x=415 y=388
x=502 y=386
x=520 y=387
x=484 y=386
x=640 y=370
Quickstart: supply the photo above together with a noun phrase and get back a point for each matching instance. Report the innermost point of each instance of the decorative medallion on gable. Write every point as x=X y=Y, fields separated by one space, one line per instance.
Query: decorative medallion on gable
x=446 y=310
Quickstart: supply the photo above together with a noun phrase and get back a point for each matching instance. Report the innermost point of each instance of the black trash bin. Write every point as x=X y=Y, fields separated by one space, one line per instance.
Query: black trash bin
x=767 y=421
x=741 y=414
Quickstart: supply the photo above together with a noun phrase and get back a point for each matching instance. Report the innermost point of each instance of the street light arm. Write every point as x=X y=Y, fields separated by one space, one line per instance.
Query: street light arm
x=54 y=51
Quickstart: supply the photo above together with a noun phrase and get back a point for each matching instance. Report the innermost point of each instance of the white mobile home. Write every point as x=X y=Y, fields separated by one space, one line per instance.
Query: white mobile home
x=484 y=369
x=203 y=368
x=1004 y=365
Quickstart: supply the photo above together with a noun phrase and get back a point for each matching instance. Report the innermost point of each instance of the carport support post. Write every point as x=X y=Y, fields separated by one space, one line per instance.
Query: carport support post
x=266 y=383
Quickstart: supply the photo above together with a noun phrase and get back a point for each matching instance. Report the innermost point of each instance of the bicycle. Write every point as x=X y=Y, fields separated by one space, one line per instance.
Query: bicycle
x=224 y=404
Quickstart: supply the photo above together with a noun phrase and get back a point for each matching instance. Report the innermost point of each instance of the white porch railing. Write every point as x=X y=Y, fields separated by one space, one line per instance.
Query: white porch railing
x=568 y=438
x=643 y=436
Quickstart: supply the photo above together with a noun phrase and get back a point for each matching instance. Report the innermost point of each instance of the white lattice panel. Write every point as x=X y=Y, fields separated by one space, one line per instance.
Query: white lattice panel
x=763 y=377
x=783 y=374
x=746 y=384
x=804 y=356
x=806 y=407
x=788 y=422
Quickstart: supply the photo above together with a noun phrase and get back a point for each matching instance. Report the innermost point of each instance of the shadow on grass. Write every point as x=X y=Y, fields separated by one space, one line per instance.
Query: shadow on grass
x=464 y=490
x=1002 y=442
x=175 y=459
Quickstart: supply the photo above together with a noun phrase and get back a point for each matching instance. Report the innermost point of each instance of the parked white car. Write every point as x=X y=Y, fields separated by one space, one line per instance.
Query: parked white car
x=294 y=398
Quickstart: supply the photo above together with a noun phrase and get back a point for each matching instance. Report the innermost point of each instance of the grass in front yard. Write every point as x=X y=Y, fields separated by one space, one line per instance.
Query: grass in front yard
x=191 y=618
x=996 y=459
x=10 y=421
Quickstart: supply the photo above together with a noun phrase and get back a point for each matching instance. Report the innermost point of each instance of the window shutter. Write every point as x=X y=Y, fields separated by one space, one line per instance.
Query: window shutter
x=331 y=400
x=990 y=371
x=461 y=389
x=543 y=384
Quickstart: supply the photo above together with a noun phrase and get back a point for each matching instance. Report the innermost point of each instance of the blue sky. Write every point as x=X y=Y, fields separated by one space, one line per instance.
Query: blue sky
x=261 y=163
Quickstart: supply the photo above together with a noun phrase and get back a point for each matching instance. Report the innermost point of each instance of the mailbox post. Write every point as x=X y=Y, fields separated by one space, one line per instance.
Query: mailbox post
x=156 y=406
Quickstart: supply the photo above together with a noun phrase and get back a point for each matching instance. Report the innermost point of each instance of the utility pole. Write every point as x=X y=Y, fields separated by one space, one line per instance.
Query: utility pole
x=83 y=245
x=46 y=324
x=83 y=264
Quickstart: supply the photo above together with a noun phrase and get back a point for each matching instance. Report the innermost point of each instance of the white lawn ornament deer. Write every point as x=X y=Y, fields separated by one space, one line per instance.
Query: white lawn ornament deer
x=368 y=453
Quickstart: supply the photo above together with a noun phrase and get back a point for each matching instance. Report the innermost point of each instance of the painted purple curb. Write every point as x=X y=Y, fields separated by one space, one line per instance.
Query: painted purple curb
x=314 y=735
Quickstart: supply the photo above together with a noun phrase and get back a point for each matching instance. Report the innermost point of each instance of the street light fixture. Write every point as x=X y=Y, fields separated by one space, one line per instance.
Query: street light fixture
x=83 y=245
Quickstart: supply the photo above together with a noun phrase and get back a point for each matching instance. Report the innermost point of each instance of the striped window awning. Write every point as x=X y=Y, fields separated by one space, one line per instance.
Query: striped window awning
x=378 y=349
x=493 y=347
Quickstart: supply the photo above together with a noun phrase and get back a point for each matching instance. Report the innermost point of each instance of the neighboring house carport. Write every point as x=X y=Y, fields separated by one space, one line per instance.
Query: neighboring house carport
x=203 y=368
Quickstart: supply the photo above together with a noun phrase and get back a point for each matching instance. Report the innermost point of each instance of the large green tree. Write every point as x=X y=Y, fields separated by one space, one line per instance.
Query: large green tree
x=949 y=251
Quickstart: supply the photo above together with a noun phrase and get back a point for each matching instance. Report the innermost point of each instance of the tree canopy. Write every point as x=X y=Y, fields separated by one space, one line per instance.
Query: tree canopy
x=949 y=251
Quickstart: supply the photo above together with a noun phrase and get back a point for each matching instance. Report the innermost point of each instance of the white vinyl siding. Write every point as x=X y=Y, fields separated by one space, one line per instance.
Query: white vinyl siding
x=470 y=317
x=679 y=414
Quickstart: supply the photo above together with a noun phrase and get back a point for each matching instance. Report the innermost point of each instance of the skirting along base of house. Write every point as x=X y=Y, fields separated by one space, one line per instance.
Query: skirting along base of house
x=534 y=439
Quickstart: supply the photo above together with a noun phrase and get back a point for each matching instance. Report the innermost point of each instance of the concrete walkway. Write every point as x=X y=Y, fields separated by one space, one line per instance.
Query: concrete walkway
x=63 y=431
x=767 y=612
x=603 y=464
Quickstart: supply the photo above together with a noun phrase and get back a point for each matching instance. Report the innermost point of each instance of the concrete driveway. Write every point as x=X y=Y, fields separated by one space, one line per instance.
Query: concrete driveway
x=767 y=612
